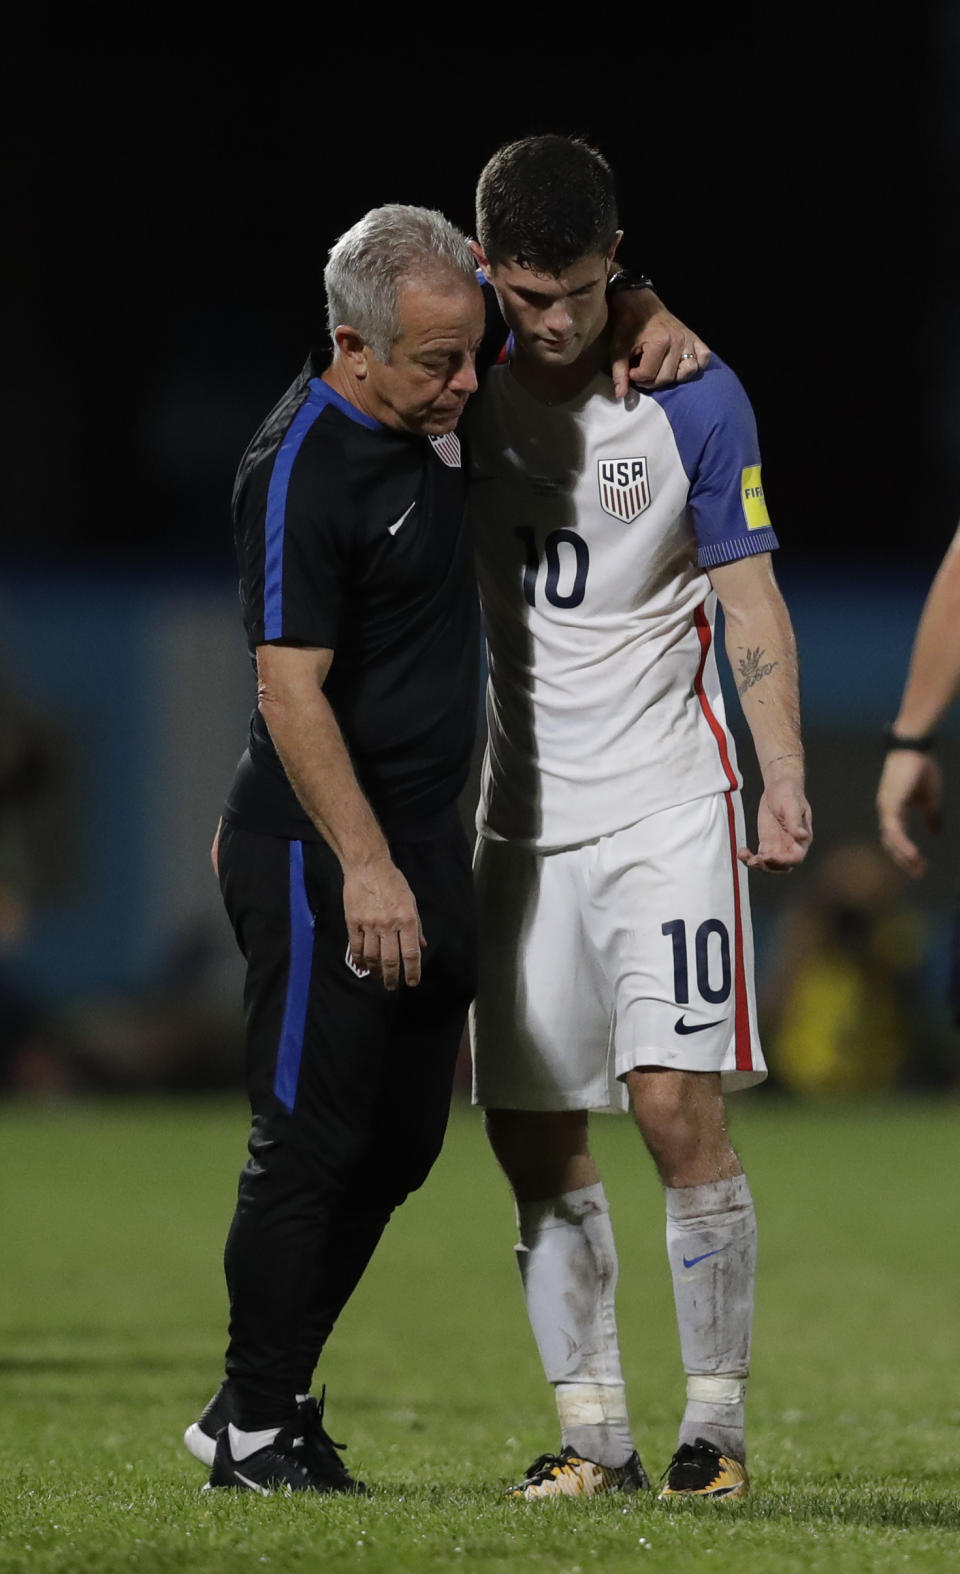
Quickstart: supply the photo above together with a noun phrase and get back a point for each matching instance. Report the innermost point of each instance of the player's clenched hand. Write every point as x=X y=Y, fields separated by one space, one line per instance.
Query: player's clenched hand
x=785 y=829
x=383 y=924
x=909 y=780
x=648 y=345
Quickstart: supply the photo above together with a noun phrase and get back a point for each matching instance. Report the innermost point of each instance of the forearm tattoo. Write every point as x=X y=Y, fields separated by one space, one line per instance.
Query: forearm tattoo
x=752 y=668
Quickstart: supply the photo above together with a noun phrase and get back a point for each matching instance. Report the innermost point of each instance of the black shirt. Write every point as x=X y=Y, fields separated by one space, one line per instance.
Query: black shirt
x=350 y=535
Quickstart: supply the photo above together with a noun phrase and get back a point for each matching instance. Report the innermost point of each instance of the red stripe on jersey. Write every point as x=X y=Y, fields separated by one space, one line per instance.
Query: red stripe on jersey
x=741 y=1013
x=705 y=634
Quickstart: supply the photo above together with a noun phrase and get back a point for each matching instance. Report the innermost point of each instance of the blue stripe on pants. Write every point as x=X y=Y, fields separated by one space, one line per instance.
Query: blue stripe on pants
x=298 y=985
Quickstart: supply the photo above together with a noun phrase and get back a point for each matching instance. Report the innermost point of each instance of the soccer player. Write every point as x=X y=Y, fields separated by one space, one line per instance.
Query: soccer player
x=344 y=869
x=615 y=946
x=911 y=777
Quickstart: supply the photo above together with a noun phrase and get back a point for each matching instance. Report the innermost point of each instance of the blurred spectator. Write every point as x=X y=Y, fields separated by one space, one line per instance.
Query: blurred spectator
x=841 y=1001
x=180 y=1035
x=177 y=1035
x=35 y=831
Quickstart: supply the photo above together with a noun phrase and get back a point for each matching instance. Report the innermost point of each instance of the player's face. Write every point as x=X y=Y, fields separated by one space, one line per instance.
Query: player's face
x=430 y=374
x=554 y=318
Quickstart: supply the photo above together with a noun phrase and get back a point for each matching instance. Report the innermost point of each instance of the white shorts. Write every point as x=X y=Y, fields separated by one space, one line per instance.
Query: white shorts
x=633 y=950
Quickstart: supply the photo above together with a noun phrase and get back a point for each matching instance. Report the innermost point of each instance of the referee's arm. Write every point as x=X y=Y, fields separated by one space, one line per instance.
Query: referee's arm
x=383 y=924
x=911 y=778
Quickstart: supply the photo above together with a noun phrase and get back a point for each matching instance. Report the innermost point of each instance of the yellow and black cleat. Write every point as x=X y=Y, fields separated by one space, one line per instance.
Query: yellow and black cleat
x=567 y=1475
x=699 y=1469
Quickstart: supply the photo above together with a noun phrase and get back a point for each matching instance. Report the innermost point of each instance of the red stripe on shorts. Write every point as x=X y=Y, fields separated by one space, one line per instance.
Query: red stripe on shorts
x=741 y=1013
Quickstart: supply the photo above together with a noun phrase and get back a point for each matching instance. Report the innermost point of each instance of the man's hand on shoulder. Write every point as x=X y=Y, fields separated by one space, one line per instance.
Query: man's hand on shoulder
x=383 y=923
x=649 y=347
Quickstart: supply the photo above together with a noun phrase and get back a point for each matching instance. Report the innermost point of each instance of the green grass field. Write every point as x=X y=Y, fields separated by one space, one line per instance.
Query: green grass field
x=111 y=1331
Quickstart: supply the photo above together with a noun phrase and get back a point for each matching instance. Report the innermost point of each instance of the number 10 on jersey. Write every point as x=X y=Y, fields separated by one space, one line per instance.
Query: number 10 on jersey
x=579 y=564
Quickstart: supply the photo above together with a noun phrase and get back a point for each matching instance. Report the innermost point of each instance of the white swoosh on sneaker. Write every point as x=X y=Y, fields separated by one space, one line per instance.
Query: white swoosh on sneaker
x=254 y=1485
x=394 y=528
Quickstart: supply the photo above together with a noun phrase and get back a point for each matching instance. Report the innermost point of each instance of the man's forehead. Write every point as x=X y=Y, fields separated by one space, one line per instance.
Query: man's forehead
x=439 y=308
x=592 y=265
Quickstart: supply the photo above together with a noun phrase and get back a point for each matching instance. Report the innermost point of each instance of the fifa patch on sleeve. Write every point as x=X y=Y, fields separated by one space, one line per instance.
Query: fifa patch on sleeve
x=752 y=499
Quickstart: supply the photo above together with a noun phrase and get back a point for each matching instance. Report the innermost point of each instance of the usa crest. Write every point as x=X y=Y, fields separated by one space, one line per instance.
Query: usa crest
x=624 y=488
x=447 y=448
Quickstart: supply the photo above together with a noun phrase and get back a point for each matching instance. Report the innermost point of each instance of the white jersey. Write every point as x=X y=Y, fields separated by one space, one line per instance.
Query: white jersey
x=593 y=523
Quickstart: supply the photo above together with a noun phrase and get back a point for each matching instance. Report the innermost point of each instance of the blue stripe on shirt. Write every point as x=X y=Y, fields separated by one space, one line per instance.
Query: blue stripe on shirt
x=319 y=397
x=276 y=518
x=290 y=1051
x=321 y=393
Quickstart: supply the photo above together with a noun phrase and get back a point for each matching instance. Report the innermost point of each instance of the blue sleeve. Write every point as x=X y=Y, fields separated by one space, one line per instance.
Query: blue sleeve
x=716 y=436
x=292 y=541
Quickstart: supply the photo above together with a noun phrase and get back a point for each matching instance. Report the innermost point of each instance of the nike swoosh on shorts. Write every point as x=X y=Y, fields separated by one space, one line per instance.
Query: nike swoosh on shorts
x=680 y=1026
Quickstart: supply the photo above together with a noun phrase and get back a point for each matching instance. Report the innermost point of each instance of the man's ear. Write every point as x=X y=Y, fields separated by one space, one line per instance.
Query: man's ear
x=350 y=344
x=613 y=249
x=482 y=261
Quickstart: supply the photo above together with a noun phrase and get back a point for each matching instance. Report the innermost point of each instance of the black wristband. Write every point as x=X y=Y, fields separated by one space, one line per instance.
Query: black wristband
x=892 y=740
x=625 y=280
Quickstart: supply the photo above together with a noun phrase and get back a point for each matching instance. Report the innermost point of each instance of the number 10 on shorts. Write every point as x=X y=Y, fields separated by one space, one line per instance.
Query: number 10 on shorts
x=709 y=959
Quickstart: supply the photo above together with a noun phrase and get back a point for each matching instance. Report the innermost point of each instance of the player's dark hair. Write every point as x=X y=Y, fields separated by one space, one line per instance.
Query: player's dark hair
x=546 y=201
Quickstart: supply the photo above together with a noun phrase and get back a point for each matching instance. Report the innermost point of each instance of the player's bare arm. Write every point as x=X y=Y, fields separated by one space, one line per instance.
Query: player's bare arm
x=649 y=346
x=911 y=779
x=762 y=652
x=383 y=924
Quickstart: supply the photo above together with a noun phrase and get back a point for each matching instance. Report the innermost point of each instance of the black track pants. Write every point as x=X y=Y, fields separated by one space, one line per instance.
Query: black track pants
x=349 y=1091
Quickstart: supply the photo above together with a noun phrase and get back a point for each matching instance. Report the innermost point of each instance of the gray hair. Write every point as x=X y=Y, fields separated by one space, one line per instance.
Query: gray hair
x=369 y=261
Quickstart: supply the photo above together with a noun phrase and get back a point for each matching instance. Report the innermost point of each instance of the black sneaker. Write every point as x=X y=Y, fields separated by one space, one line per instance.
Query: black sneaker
x=201 y=1435
x=321 y=1450
x=698 y=1469
x=279 y=1467
x=567 y=1475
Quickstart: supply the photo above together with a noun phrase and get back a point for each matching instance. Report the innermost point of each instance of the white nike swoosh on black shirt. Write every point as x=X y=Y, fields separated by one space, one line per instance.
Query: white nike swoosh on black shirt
x=394 y=528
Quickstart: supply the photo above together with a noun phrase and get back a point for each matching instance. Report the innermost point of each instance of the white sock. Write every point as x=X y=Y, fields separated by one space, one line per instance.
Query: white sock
x=568 y=1264
x=712 y=1247
x=243 y=1444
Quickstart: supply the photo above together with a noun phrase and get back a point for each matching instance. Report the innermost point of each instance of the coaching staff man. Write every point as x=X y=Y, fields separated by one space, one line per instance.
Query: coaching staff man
x=343 y=866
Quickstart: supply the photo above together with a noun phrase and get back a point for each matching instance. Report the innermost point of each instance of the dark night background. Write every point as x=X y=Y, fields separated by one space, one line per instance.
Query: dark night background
x=789 y=178
x=792 y=189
